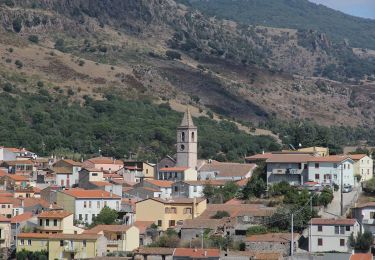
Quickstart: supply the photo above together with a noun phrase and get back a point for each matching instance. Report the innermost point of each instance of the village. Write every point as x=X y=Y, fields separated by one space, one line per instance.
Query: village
x=274 y=205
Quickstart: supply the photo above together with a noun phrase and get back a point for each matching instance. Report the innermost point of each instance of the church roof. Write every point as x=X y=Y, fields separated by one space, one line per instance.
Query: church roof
x=187 y=120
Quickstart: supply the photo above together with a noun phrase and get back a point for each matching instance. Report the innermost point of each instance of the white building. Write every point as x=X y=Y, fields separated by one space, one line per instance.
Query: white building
x=365 y=214
x=329 y=169
x=332 y=234
x=86 y=204
x=66 y=172
x=7 y=154
x=193 y=189
x=363 y=165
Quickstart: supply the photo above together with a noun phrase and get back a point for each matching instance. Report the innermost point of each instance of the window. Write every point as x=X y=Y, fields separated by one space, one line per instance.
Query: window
x=335 y=165
x=320 y=241
x=342 y=229
x=183 y=137
x=172 y=223
x=3 y=206
x=320 y=228
x=22 y=242
x=94 y=174
x=167 y=210
x=85 y=204
x=317 y=176
x=175 y=188
x=90 y=204
x=173 y=210
x=117 y=205
x=40 y=222
x=86 y=217
x=187 y=210
x=342 y=242
x=348 y=166
x=29 y=242
x=316 y=165
x=337 y=229
x=84 y=243
x=159 y=223
x=47 y=222
x=195 y=189
x=344 y=166
x=347 y=228
x=193 y=136
x=98 y=204
x=61 y=242
x=80 y=216
x=55 y=222
x=105 y=203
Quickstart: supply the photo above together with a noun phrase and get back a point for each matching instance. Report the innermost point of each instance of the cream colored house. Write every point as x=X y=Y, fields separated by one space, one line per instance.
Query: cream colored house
x=167 y=213
x=119 y=237
x=64 y=246
x=363 y=165
x=320 y=151
x=57 y=221
x=5 y=232
x=178 y=174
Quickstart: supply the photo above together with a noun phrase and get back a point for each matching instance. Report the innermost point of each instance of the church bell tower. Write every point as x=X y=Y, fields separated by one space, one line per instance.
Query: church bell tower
x=187 y=142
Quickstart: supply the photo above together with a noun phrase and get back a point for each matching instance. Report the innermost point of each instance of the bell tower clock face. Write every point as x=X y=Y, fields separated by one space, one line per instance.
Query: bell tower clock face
x=182 y=147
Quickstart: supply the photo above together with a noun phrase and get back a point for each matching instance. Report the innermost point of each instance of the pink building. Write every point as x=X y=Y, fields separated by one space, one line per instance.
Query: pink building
x=104 y=163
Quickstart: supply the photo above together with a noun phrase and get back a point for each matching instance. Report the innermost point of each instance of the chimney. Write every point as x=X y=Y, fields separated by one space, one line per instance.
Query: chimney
x=263 y=152
x=195 y=249
x=205 y=252
x=22 y=203
x=111 y=193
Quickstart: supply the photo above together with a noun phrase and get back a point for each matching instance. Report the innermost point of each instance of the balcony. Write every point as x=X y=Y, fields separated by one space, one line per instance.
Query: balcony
x=370 y=221
x=70 y=249
x=286 y=171
x=115 y=243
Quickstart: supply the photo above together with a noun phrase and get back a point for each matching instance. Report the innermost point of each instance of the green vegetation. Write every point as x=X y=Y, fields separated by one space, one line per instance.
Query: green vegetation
x=221 y=214
x=168 y=239
x=48 y=122
x=256 y=230
x=256 y=186
x=221 y=194
x=362 y=242
x=27 y=255
x=107 y=216
x=34 y=38
x=295 y=14
x=369 y=186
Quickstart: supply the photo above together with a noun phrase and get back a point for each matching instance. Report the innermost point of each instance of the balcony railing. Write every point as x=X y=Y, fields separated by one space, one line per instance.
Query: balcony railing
x=370 y=221
x=113 y=242
x=70 y=249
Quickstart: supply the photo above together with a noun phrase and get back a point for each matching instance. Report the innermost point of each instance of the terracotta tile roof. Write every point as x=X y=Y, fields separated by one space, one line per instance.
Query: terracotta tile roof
x=100 y=183
x=6 y=194
x=332 y=221
x=92 y=169
x=289 y=158
x=154 y=251
x=367 y=204
x=229 y=169
x=272 y=237
x=255 y=255
x=90 y=194
x=173 y=169
x=331 y=158
x=127 y=189
x=242 y=182
x=356 y=157
x=202 y=223
x=143 y=225
x=256 y=210
x=261 y=156
x=160 y=183
x=105 y=160
x=124 y=183
x=148 y=189
x=71 y=162
x=30 y=202
x=28 y=190
x=176 y=200
x=196 y=253
x=19 y=162
x=112 y=176
x=22 y=217
x=17 y=177
x=8 y=200
x=13 y=149
x=58 y=214
x=4 y=219
x=206 y=182
x=109 y=228
x=234 y=202
x=2 y=173
x=361 y=256
x=59 y=236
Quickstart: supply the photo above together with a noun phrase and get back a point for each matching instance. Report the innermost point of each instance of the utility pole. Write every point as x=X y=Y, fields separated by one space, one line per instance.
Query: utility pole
x=310 y=237
x=342 y=194
x=292 y=240
x=202 y=238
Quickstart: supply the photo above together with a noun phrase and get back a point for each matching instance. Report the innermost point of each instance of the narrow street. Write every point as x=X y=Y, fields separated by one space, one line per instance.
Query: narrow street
x=334 y=208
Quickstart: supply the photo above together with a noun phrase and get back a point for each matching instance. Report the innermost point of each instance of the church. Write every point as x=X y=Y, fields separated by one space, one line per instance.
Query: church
x=184 y=168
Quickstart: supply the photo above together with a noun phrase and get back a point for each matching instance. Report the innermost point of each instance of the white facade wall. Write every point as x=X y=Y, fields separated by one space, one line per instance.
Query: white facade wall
x=165 y=192
x=367 y=218
x=330 y=172
x=364 y=167
x=86 y=213
x=6 y=155
x=196 y=191
x=330 y=239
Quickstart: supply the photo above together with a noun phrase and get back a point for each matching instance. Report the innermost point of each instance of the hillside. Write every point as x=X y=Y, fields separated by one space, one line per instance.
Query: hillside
x=293 y=14
x=118 y=55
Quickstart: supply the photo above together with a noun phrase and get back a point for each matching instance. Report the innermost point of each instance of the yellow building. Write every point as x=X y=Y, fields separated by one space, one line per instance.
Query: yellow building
x=321 y=151
x=166 y=213
x=363 y=166
x=119 y=237
x=63 y=246
x=57 y=221
x=5 y=232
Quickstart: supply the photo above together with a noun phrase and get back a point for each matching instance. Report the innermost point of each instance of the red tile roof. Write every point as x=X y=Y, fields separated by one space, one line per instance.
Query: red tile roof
x=196 y=253
x=58 y=214
x=143 y=225
x=22 y=217
x=71 y=162
x=289 y=158
x=4 y=219
x=59 y=236
x=261 y=156
x=242 y=182
x=332 y=221
x=356 y=157
x=19 y=162
x=81 y=194
x=331 y=158
x=109 y=228
x=361 y=256
x=154 y=251
x=160 y=183
x=175 y=200
x=100 y=183
x=234 y=202
x=105 y=160
x=17 y=177
x=174 y=169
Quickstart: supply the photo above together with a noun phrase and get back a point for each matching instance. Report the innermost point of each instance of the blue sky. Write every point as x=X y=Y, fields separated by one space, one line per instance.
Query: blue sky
x=361 y=8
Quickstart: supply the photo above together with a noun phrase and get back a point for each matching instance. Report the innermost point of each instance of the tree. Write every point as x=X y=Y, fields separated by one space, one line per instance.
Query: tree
x=221 y=214
x=325 y=197
x=173 y=55
x=362 y=242
x=280 y=188
x=209 y=191
x=17 y=25
x=256 y=230
x=34 y=38
x=107 y=216
x=254 y=187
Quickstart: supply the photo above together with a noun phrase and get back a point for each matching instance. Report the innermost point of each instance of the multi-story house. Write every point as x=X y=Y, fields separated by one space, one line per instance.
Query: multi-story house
x=63 y=246
x=119 y=237
x=57 y=221
x=104 y=163
x=66 y=172
x=225 y=171
x=289 y=167
x=365 y=214
x=136 y=171
x=86 y=204
x=332 y=234
x=177 y=174
x=7 y=154
x=193 y=189
x=329 y=169
x=14 y=182
x=168 y=213
x=363 y=166
x=94 y=179
x=24 y=167
x=5 y=232
x=164 y=188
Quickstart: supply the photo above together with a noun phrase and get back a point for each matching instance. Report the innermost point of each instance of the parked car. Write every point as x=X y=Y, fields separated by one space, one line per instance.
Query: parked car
x=347 y=188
